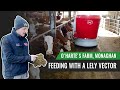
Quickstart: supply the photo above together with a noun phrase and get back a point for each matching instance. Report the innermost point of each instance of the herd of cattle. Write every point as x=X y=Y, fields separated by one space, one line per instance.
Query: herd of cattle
x=62 y=42
x=53 y=45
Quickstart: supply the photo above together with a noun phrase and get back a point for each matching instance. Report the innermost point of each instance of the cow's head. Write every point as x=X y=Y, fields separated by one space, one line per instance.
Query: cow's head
x=64 y=41
x=69 y=35
x=49 y=41
x=67 y=46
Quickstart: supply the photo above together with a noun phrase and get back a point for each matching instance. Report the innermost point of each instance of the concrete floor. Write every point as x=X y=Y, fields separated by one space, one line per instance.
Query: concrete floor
x=107 y=41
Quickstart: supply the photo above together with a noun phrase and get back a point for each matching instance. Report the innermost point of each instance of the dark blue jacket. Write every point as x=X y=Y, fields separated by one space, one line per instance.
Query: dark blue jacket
x=15 y=54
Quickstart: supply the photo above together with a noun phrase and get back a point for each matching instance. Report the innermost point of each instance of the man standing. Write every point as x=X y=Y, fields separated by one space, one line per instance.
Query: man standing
x=15 y=51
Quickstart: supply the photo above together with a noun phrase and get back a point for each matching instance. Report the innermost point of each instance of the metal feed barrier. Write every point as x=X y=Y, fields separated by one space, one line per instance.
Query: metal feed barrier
x=58 y=27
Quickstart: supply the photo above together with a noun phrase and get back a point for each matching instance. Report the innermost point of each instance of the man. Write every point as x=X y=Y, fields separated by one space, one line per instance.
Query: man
x=15 y=51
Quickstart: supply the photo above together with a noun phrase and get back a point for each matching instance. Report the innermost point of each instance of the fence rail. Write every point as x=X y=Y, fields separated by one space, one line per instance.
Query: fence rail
x=58 y=27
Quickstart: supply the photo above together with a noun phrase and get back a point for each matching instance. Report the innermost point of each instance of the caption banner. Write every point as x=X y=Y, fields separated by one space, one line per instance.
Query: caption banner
x=86 y=61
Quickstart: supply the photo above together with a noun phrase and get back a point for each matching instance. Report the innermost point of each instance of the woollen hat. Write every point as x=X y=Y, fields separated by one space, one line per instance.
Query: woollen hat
x=20 y=22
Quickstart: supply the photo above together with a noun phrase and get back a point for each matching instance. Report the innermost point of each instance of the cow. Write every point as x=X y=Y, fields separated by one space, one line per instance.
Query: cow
x=56 y=45
x=52 y=46
x=67 y=32
x=64 y=41
x=48 y=43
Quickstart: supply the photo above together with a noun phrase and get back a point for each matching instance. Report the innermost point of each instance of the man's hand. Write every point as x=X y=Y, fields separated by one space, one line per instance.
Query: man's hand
x=33 y=57
x=40 y=61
